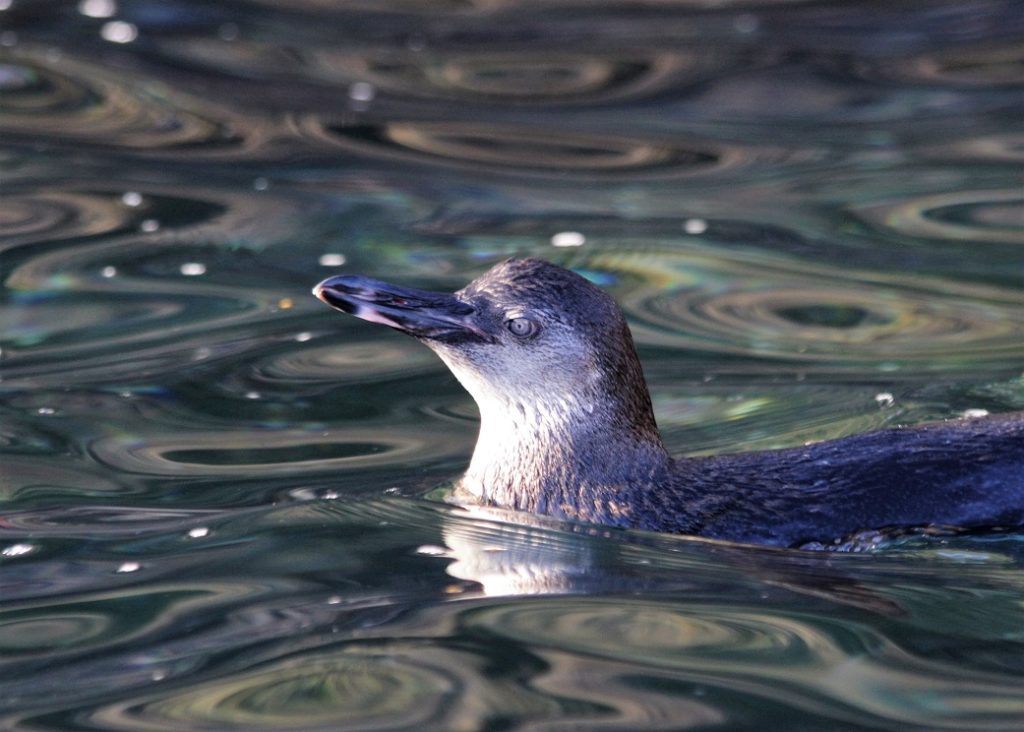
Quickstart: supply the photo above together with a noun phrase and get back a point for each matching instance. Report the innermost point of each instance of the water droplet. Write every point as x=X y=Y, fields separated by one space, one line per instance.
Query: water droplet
x=885 y=399
x=198 y=533
x=117 y=31
x=304 y=336
x=695 y=226
x=108 y=272
x=228 y=32
x=332 y=260
x=97 y=8
x=128 y=567
x=149 y=225
x=17 y=550
x=46 y=410
x=158 y=675
x=252 y=395
x=131 y=198
x=361 y=91
x=261 y=184
x=746 y=23
x=568 y=239
x=416 y=42
x=334 y=600
x=193 y=269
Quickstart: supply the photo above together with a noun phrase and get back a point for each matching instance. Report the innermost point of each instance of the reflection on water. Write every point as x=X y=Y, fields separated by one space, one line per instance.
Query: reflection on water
x=210 y=486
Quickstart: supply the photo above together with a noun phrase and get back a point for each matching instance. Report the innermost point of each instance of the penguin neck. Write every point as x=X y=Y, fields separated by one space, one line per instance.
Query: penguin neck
x=572 y=456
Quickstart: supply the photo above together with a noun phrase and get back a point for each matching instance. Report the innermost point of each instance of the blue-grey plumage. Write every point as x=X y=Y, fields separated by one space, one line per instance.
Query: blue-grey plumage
x=567 y=428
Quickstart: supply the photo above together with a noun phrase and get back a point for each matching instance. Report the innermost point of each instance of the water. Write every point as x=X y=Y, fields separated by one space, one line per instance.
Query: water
x=213 y=512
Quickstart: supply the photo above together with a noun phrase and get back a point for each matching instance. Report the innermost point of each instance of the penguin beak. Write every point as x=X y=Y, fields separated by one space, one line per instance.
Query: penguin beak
x=419 y=313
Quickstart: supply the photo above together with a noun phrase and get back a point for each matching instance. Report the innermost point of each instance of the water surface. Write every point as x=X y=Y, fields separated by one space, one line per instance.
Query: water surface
x=212 y=487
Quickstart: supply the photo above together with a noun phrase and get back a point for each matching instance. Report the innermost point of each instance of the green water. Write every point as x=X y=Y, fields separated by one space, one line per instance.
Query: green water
x=212 y=487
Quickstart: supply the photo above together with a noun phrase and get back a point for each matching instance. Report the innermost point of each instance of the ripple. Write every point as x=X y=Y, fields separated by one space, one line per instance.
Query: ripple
x=808 y=662
x=522 y=151
x=110 y=291
x=52 y=631
x=384 y=688
x=54 y=215
x=243 y=453
x=75 y=101
x=988 y=66
x=540 y=77
x=1005 y=147
x=767 y=306
x=964 y=216
x=348 y=363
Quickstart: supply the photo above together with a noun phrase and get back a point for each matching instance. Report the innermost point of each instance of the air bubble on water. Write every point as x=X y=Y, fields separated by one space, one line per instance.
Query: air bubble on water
x=118 y=31
x=416 y=42
x=108 y=272
x=568 y=239
x=128 y=567
x=131 y=198
x=98 y=8
x=303 y=336
x=193 y=269
x=332 y=259
x=362 y=91
x=228 y=32
x=198 y=533
x=149 y=225
x=746 y=23
x=974 y=413
x=432 y=550
x=261 y=184
x=884 y=399
x=695 y=226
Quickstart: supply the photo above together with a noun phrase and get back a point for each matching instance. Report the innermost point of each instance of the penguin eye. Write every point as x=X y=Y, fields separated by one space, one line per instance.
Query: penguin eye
x=522 y=327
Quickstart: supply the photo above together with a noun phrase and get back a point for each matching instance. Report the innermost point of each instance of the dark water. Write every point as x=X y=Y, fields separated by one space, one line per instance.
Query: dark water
x=211 y=486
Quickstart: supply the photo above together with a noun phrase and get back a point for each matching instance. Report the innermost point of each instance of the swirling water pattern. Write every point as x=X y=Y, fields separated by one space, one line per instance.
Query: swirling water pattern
x=212 y=510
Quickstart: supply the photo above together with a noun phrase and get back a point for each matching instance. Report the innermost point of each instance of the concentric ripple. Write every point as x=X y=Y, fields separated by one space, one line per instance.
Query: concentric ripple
x=536 y=78
x=773 y=307
x=808 y=662
x=55 y=215
x=496 y=148
x=356 y=690
x=985 y=66
x=351 y=362
x=970 y=216
x=72 y=100
x=272 y=452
